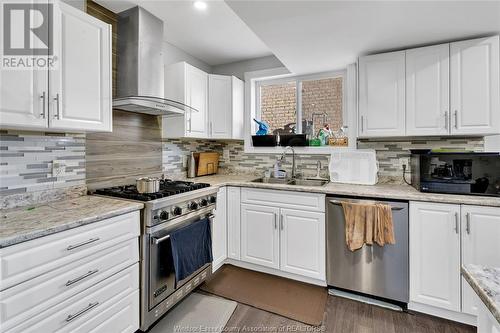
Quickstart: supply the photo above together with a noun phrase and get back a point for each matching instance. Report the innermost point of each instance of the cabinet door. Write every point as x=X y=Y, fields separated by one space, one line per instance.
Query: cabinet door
x=238 y=108
x=220 y=106
x=480 y=245
x=233 y=223
x=260 y=235
x=303 y=243
x=474 y=73
x=24 y=94
x=382 y=95
x=80 y=89
x=196 y=96
x=435 y=255
x=219 y=231
x=427 y=90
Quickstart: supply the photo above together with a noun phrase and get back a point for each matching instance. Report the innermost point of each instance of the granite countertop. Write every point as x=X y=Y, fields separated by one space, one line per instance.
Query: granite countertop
x=486 y=283
x=21 y=224
x=383 y=191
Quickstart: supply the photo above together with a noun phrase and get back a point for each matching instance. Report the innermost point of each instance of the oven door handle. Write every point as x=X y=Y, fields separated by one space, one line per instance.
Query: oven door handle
x=157 y=241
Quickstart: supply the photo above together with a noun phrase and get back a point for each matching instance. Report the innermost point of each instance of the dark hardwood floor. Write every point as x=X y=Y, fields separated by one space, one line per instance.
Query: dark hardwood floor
x=344 y=316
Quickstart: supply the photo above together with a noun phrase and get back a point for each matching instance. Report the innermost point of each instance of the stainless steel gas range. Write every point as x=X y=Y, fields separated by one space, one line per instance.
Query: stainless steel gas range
x=176 y=205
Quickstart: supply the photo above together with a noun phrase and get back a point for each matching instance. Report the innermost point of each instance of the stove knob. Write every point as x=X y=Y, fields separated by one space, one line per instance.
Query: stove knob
x=177 y=211
x=203 y=202
x=164 y=215
x=212 y=199
x=193 y=205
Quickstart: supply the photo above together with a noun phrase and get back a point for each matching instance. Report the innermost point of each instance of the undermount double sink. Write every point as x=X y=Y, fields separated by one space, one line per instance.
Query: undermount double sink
x=293 y=181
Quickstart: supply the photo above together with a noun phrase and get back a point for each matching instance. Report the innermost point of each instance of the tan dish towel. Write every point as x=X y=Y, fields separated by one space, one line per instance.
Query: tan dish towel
x=366 y=223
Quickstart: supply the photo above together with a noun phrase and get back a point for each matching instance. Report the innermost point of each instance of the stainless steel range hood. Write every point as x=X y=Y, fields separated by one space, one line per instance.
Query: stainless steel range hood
x=140 y=74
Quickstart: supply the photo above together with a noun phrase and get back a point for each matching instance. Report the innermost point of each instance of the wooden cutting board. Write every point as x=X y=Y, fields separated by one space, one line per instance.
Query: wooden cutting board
x=208 y=163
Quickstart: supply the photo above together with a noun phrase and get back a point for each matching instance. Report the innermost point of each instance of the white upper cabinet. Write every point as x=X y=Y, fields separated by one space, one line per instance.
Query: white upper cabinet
x=475 y=96
x=382 y=95
x=73 y=96
x=189 y=85
x=23 y=99
x=218 y=100
x=427 y=91
x=225 y=106
x=480 y=245
x=80 y=89
x=451 y=89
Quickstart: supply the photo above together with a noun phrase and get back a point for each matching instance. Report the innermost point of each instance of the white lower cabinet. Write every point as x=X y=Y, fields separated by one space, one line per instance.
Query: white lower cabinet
x=480 y=246
x=443 y=237
x=84 y=280
x=219 y=230
x=282 y=235
x=485 y=321
x=233 y=222
x=260 y=235
x=303 y=243
x=435 y=255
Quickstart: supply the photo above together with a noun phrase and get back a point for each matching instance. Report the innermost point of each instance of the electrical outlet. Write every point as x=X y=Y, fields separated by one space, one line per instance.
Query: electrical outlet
x=225 y=154
x=58 y=167
x=184 y=161
x=404 y=161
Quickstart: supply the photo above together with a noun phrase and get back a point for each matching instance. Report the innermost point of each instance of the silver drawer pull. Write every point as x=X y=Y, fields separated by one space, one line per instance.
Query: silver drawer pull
x=86 y=275
x=92 y=240
x=79 y=313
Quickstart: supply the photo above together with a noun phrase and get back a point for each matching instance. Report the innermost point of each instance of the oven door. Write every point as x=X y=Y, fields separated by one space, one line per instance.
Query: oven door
x=162 y=272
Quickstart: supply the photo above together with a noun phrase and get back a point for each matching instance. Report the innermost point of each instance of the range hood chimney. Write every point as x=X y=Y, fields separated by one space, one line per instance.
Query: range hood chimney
x=140 y=77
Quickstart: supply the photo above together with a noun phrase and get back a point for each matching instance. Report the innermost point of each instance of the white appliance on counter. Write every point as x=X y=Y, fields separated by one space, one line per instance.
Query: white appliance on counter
x=354 y=167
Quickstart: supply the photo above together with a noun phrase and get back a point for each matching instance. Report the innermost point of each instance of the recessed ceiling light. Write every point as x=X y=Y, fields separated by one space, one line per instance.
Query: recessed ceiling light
x=200 y=5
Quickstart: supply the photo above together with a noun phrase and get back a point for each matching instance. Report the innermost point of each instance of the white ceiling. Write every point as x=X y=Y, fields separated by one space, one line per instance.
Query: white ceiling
x=315 y=36
x=215 y=36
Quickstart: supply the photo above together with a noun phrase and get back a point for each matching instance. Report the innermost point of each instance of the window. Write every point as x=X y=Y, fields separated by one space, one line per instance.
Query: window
x=301 y=105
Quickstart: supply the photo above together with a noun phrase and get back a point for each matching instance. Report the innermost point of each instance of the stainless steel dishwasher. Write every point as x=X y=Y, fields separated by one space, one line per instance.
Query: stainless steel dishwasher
x=380 y=271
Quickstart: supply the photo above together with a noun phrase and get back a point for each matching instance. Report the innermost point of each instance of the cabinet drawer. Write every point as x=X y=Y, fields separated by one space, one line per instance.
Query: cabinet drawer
x=27 y=260
x=284 y=199
x=85 y=311
x=23 y=301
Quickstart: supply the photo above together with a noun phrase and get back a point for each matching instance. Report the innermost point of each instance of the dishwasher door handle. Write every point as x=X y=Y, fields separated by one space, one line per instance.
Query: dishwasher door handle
x=338 y=202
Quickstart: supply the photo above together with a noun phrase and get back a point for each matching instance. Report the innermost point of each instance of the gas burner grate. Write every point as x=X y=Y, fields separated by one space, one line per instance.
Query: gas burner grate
x=168 y=187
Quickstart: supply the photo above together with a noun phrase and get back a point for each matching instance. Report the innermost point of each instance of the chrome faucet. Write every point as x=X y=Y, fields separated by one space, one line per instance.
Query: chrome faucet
x=282 y=158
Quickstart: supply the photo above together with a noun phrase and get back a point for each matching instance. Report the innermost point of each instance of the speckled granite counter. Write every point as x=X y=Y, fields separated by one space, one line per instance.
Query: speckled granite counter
x=18 y=225
x=382 y=191
x=486 y=283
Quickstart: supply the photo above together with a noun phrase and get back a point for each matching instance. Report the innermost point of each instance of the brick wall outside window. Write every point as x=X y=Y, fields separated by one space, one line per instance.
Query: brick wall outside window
x=278 y=103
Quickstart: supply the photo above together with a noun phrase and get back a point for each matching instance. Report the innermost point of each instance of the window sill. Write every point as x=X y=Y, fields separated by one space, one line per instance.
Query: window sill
x=320 y=150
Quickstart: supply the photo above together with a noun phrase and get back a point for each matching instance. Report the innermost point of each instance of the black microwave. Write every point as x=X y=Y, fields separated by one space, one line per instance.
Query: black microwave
x=457 y=173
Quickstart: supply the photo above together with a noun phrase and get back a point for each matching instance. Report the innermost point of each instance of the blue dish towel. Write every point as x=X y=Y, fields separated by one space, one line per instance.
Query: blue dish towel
x=191 y=248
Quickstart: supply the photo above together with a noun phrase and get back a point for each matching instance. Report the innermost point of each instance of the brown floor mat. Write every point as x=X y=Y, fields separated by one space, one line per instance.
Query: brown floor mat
x=292 y=299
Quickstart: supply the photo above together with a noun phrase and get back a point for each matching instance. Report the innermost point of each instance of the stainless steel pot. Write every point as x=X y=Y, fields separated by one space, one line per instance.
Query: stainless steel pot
x=148 y=184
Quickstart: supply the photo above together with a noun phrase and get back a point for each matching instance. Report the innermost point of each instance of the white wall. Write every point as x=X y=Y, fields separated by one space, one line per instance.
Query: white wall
x=239 y=68
x=173 y=54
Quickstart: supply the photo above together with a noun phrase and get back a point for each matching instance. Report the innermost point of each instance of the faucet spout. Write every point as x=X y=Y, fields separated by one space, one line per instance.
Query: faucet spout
x=287 y=148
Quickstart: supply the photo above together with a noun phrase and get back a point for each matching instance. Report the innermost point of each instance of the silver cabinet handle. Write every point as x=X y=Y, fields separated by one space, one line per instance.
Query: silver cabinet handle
x=157 y=241
x=79 y=313
x=281 y=221
x=57 y=100
x=92 y=240
x=362 y=124
x=457 y=219
x=446 y=120
x=42 y=114
x=275 y=222
x=86 y=275
x=456 y=119
x=467 y=222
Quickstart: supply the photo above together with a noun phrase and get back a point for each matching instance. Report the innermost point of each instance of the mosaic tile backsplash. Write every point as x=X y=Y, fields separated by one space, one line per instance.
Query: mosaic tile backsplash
x=26 y=161
x=389 y=153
